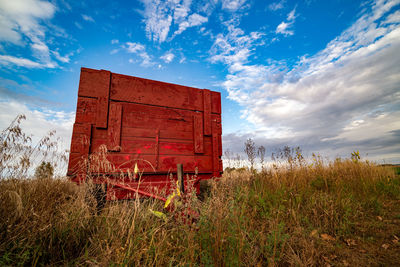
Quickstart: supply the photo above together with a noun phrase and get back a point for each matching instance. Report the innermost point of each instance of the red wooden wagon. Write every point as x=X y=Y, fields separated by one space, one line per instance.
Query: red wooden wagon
x=125 y=123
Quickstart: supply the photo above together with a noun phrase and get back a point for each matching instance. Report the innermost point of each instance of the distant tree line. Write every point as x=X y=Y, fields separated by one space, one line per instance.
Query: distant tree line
x=286 y=154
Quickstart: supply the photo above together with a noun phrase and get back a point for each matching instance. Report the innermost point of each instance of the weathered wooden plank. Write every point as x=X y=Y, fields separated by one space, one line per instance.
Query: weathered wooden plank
x=198 y=133
x=215 y=157
x=164 y=126
x=94 y=83
x=80 y=145
x=114 y=127
x=215 y=102
x=148 y=146
x=81 y=134
x=216 y=145
x=138 y=90
x=207 y=111
x=216 y=118
x=102 y=112
x=164 y=133
x=77 y=164
x=86 y=110
x=146 y=163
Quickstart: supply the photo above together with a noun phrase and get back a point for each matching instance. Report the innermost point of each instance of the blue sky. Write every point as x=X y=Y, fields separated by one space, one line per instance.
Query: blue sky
x=323 y=75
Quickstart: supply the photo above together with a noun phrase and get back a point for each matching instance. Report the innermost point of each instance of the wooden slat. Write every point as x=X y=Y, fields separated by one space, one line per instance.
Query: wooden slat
x=198 y=133
x=141 y=116
x=80 y=145
x=86 y=110
x=94 y=83
x=138 y=90
x=131 y=132
x=217 y=152
x=102 y=112
x=215 y=156
x=167 y=164
x=114 y=127
x=215 y=102
x=81 y=134
x=148 y=146
x=207 y=111
x=164 y=133
x=216 y=118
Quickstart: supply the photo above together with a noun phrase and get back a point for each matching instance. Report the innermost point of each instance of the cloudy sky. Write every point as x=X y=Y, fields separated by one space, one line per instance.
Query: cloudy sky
x=322 y=75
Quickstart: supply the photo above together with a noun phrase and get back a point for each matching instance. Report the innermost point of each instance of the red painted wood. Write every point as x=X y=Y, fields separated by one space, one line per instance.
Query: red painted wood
x=164 y=133
x=94 y=83
x=157 y=148
x=143 y=91
x=216 y=145
x=130 y=132
x=114 y=127
x=198 y=133
x=215 y=156
x=216 y=102
x=216 y=118
x=117 y=162
x=86 y=110
x=148 y=146
x=207 y=111
x=80 y=146
x=150 y=124
x=102 y=112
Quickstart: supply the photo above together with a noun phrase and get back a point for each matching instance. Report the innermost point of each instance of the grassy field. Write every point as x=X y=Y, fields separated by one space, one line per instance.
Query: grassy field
x=341 y=213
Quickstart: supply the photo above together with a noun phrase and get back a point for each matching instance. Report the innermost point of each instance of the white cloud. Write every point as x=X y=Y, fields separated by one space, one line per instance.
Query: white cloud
x=114 y=41
x=276 y=5
x=232 y=5
x=134 y=47
x=193 y=20
x=158 y=18
x=21 y=62
x=78 y=25
x=343 y=98
x=21 y=23
x=161 y=16
x=87 y=18
x=26 y=23
x=168 y=57
x=140 y=50
x=64 y=59
x=114 y=51
x=234 y=46
x=285 y=27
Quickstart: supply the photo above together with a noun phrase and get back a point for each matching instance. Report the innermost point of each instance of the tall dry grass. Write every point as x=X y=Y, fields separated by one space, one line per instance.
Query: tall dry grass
x=304 y=215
